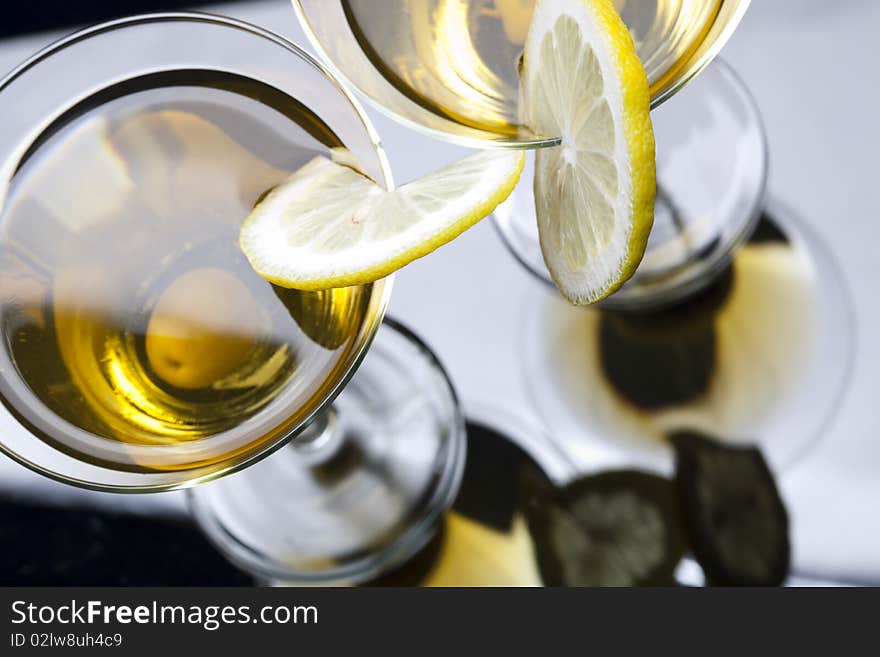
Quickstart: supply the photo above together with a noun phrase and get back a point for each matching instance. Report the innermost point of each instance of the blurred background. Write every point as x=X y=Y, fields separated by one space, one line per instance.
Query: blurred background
x=810 y=65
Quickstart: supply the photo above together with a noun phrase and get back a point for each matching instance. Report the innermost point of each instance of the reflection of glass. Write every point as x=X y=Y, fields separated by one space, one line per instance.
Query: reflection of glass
x=449 y=67
x=761 y=356
x=483 y=540
x=735 y=519
x=751 y=344
x=520 y=517
x=142 y=352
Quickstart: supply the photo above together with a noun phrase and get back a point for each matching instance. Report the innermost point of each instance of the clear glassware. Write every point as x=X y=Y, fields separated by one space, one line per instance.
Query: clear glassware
x=139 y=146
x=480 y=540
x=361 y=495
x=706 y=205
x=88 y=104
x=52 y=103
x=448 y=68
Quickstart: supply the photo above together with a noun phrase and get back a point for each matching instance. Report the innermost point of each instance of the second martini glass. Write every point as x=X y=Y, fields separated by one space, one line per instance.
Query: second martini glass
x=450 y=69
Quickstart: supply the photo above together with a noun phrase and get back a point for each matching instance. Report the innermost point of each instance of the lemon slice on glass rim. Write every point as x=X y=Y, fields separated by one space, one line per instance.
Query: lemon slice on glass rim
x=594 y=193
x=329 y=226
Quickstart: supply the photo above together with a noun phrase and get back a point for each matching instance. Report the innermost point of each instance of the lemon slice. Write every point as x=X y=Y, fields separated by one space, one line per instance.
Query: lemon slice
x=594 y=194
x=329 y=226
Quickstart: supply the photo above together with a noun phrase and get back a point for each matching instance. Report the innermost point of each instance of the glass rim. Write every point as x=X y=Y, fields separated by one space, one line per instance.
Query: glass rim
x=60 y=44
x=694 y=66
x=687 y=71
x=161 y=480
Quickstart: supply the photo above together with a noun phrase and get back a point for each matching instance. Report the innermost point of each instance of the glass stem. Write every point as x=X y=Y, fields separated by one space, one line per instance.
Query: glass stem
x=319 y=441
x=678 y=222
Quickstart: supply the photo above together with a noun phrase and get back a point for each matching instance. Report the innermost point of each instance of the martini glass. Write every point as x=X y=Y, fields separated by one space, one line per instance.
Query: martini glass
x=141 y=353
x=448 y=68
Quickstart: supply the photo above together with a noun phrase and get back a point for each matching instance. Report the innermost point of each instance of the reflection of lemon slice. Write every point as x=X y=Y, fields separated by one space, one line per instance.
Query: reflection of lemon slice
x=594 y=194
x=203 y=328
x=476 y=555
x=329 y=226
x=187 y=168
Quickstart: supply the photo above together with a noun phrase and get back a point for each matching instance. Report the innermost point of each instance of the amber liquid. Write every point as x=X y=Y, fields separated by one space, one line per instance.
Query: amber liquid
x=136 y=334
x=458 y=58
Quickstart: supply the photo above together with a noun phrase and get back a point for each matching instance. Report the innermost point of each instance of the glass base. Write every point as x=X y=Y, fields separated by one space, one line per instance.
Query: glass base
x=362 y=490
x=761 y=356
x=711 y=176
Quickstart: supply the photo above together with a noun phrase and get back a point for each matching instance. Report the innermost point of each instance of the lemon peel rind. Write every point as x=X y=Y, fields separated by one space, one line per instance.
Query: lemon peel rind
x=639 y=133
x=639 y=136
